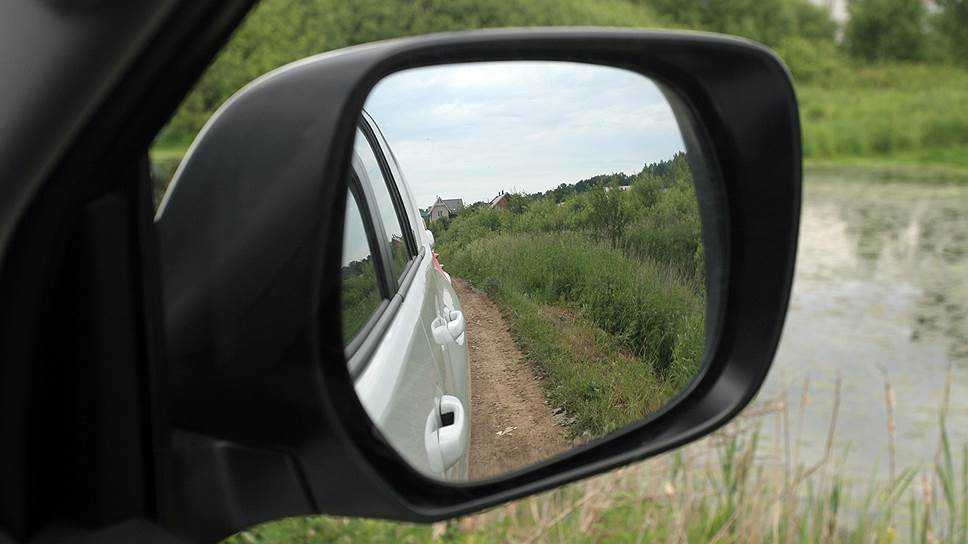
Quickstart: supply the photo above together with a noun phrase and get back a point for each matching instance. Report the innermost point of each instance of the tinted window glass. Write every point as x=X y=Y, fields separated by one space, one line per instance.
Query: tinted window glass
x=361 y=286
x=399 y=254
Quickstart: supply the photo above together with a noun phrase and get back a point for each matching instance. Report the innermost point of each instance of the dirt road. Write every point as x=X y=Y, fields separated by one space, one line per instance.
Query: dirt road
x=511 y=422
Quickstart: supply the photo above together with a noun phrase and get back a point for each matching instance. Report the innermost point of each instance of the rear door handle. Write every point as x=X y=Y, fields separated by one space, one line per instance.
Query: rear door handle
x=453 y=430
x=446 y=434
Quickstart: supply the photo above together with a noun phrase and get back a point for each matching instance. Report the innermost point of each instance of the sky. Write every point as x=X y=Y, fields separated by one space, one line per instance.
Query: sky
x=472 y=130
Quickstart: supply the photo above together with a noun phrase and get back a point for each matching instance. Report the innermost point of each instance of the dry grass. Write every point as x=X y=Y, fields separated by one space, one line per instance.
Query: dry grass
x=732 y=487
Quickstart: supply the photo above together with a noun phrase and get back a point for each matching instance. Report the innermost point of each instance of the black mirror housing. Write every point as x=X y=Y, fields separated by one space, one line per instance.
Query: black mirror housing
x=265 y=419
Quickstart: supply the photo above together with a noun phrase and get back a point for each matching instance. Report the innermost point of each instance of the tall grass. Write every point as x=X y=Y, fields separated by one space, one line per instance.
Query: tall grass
x=652 y=313
x=900 y=112
x=615 y=337
x=741 y=485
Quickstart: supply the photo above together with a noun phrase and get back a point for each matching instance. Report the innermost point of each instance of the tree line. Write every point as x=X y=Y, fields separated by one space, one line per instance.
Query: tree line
x=280 y=31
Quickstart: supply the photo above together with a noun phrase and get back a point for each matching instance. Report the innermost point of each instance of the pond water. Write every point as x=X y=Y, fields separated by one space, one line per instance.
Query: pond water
x=881 y=293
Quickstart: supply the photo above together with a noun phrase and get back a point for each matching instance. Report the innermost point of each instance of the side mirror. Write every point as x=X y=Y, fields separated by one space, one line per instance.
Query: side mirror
x=278 y=306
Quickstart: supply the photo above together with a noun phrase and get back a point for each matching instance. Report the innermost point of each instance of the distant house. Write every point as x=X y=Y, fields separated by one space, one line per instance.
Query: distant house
x=620 y=188
x=445 y=208
x=500 y=202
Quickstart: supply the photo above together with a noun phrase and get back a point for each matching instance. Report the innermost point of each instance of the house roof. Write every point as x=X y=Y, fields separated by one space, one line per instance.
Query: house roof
x=453 y=204
x=498 y=198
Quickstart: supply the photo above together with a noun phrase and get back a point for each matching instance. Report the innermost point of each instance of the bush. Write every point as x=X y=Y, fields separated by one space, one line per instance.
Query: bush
x=888 y=111
x=767 y=21
x=813 y=62
x=548 y=251
x=951 y=25
x=879 y=30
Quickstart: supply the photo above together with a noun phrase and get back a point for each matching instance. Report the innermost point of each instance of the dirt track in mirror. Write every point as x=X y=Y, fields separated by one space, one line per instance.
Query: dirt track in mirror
x=511 y=422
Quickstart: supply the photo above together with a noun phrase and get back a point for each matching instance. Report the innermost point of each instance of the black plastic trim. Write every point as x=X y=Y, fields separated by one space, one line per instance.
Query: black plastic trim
x=392 y=187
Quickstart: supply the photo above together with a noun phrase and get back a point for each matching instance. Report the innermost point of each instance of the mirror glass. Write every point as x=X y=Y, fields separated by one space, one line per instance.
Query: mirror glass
x=523 y=268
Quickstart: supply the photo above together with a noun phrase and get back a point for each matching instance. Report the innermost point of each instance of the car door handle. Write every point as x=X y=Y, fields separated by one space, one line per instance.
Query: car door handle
x=446 y=439
x=453 y=431
x=449 y=332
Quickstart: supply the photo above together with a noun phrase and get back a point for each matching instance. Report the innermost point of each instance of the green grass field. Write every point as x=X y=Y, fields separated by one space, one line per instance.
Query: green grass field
x=896 y=114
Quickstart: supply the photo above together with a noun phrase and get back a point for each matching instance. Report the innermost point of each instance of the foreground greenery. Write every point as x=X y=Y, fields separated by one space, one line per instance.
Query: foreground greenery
x=739 y=486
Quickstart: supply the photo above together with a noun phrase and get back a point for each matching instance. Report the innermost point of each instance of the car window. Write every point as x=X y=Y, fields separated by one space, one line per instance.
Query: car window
x=395 y=172
x=360 y=283
x=399 y=253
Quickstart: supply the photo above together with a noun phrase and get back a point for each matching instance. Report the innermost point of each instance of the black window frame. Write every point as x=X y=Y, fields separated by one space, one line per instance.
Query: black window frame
x=389 y=161
x=392 y=183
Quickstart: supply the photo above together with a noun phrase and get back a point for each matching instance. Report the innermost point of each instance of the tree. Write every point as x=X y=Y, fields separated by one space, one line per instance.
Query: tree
x=951 y=24
x=767 y=21
x=281 y=31
x=646 y=189
x=880 y=30
x=608 y=213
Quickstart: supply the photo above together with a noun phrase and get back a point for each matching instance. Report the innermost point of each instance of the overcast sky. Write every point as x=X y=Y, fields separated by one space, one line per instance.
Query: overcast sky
x=471 y=130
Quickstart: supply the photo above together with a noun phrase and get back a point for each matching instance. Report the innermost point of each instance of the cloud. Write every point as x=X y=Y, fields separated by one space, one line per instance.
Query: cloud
x=471 y=130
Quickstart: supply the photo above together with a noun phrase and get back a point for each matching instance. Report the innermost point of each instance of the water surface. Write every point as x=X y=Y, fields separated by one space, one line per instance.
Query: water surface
x=881 y=293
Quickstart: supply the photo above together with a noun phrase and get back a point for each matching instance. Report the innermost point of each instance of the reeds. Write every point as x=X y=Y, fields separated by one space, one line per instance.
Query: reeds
x=731 y=487
x=724 y=489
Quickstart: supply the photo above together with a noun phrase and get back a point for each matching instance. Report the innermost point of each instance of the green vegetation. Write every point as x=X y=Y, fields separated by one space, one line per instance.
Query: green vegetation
x=886 y=29
x=739 y=486
x=360 y=295
x=889 y=112
x=612 y=336
x=603 y=287
x=894 y=88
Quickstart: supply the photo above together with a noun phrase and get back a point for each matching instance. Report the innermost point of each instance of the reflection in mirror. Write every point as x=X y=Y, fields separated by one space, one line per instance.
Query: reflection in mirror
x=535 y=229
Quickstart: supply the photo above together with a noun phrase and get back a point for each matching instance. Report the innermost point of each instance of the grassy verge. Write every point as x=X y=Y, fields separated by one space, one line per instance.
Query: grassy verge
x=737 y=486
x=588 y=374
x=616 y=337
x=897 y=169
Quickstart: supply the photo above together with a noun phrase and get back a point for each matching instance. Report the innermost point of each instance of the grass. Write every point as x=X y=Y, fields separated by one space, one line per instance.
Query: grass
x=899 y=113
x=615 y=337
x=737 y=486
x=595 y=380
